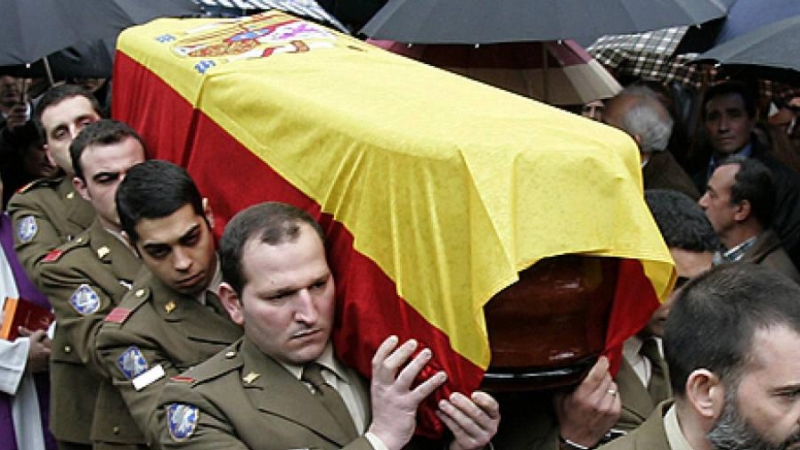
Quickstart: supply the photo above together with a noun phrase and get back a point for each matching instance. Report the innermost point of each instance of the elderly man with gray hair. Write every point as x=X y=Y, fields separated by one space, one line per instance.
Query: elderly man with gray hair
x=638 y=112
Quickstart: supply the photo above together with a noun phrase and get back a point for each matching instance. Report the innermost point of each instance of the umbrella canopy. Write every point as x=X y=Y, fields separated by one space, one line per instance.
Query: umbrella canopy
x=471 y=22
x=745 y=16
x=32 y=29
x=772 y=52
x=83 y=60
x=648 y=56
x=559 y=73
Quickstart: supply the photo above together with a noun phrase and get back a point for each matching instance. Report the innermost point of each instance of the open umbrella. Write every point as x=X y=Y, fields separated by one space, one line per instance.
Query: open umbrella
x=745 y=16
x=559 y=73
x=660 y=50
x=33 y=29
x=472 y=22
x=648 y=56
x=769 y=52
x=83 y=60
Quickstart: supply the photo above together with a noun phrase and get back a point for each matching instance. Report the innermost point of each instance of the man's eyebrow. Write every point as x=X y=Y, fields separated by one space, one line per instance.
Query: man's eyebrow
x=292 y=289
x=281 y=292
x=191 y=230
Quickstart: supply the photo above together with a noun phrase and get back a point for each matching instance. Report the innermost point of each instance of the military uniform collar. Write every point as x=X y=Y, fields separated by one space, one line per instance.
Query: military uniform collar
x=677 y=440
x=326 y=360
x=213 y=286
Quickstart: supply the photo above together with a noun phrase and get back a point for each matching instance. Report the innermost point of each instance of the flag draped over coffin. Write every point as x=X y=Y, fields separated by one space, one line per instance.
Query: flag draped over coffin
x=434 y=190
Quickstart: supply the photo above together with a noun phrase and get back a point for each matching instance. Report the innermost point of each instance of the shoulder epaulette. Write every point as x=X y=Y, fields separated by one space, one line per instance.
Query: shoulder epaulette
x=118 y=315
x=132 y=301
x=221 y=364
x=56 y=253
x=41 y=182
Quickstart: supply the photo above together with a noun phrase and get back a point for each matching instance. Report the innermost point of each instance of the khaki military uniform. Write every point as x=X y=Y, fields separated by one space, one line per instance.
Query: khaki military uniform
x=46 y=214
x=637 y=403
x=529 y=421
x=651 y=435
x=242 y=399
x=84 y=280
x=156 y=333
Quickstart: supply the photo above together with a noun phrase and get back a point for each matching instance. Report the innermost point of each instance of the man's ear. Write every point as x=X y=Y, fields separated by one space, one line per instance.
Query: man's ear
x=743 y=210
x=80 y=186
x=230 y=300
x=208 y=212
x=705 y=393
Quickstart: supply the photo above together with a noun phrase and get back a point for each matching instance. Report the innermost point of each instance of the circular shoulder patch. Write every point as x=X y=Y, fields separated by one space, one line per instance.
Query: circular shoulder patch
x=27 y=228
x=85 y=300
x=182 y=421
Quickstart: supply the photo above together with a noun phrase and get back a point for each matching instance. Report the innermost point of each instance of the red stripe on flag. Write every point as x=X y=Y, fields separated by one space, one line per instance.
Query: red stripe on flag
x=635 y=300
x=233 y=178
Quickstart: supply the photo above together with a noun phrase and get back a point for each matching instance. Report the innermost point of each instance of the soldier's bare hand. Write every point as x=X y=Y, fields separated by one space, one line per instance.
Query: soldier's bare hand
x=38 y=351
x=472 y=420
x=394 y=402
x=586 y=414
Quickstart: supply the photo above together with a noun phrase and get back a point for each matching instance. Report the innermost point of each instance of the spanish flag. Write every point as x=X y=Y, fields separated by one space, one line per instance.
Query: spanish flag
x=435 y=191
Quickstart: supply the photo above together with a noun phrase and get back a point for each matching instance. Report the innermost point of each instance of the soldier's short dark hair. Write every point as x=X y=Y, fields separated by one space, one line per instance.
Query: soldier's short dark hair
x=103 y=132
x=154 y=189
x=60 y=93
x=271 y=223
x=715 y=316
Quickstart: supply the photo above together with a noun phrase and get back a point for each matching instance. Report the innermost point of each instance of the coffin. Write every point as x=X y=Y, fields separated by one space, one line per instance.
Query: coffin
x=548 y=329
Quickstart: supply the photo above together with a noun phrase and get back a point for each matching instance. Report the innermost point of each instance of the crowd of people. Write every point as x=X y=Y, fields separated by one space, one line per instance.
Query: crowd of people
x=163 y=339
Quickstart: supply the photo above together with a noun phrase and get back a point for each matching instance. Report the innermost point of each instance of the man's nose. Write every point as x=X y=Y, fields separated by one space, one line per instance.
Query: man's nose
x=306 y=310
x=181 y=260
x=724 y=124
x=703 y=202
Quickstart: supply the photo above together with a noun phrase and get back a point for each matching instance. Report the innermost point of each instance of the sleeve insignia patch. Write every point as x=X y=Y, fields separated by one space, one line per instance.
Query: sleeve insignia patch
x=26 y=229
x=85 y=300
x=132 y=363
x=182 y=421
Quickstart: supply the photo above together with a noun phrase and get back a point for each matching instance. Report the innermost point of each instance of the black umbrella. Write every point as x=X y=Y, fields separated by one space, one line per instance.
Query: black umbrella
x=770 y=52
x=83 y=60
x=33 y=29
x=481 y=22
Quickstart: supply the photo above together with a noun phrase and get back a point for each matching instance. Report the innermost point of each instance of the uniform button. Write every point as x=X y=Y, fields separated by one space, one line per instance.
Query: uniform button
x=140 y=292
x=79 y=240
x=230 y=355
x=115 y=430
x=67 y=349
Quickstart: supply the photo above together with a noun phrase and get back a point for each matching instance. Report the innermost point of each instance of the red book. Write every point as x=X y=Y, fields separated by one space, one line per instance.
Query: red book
x=18 y=312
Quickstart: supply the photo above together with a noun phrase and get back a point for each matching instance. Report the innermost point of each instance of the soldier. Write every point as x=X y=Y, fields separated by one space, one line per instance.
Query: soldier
x=85 y=279
x=172 y=319
x=282 y=386
x=48 y=212
x=732 y=342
